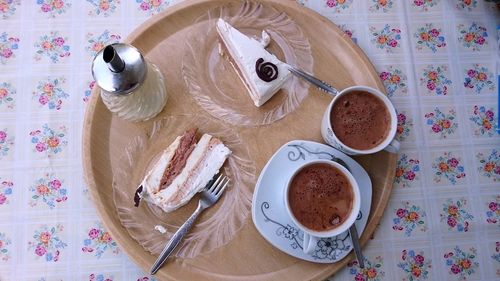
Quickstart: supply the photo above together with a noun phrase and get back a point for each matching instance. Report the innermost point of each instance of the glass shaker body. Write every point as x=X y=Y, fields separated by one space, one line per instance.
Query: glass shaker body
x=144 y=103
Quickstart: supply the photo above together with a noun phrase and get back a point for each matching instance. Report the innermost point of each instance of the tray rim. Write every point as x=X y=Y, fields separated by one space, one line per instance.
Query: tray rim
x=117 y=231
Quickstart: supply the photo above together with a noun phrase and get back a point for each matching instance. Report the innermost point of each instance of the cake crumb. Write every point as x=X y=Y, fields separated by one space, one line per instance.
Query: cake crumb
x=160 y=229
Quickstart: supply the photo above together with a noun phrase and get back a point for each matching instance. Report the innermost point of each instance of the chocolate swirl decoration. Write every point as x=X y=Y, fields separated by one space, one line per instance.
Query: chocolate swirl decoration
x=267 y=71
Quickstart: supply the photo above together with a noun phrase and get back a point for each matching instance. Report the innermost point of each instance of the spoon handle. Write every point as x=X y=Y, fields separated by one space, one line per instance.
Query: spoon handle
x=322 y=85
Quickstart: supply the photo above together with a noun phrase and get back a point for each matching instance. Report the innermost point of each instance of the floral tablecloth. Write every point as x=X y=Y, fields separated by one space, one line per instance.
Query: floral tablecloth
x=435 y=57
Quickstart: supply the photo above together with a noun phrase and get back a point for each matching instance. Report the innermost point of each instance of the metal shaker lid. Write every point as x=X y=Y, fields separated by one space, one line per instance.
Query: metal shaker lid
x=119 y=68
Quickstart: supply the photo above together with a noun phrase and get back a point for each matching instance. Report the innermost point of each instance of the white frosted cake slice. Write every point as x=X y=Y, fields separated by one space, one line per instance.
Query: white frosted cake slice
x=183 y=169
x=262 y=73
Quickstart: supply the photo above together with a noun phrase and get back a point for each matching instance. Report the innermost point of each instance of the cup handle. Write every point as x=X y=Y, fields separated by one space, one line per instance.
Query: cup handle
x=393 y=147
x=309 y=243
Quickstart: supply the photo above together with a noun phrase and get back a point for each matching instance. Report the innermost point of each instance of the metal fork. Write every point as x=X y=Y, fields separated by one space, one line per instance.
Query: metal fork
x=322 y=85
x=210 y=194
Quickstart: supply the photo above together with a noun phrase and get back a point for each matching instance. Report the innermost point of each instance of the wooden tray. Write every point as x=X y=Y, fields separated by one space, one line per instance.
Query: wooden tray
x=248 y=257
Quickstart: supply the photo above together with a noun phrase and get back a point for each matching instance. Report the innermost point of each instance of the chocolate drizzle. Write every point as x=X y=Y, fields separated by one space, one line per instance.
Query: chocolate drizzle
x=267 y=71
x=137 y=197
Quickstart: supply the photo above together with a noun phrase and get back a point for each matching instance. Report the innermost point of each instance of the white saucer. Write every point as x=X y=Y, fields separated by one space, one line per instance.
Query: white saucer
x=268 y=209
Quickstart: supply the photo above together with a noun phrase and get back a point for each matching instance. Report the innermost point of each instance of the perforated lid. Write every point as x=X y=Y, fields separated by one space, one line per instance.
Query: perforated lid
x=119 y=68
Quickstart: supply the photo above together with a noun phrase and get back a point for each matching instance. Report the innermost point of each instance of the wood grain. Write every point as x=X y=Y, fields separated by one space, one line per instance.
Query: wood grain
x=248 y=257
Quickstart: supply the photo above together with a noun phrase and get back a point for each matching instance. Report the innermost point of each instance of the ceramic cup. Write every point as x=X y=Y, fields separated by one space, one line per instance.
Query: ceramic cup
x=311 y=237
x=389 y=143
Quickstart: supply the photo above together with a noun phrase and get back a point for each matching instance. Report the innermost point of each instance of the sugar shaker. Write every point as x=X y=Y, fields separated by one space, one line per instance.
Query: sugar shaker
x=131 y=87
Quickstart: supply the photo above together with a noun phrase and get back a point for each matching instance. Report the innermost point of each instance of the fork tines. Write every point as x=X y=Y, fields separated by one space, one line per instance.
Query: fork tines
x=218 y=186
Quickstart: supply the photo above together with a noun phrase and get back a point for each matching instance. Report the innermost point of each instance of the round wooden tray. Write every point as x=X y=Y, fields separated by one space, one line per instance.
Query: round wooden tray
x=248 y=256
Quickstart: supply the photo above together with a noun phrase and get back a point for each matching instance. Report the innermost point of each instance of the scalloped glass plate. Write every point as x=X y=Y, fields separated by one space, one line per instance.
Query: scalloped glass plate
x=218 y=224
x=214 y=84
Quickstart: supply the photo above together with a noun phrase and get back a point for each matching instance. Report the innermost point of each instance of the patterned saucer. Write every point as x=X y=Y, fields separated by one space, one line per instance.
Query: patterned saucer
x=268 y=210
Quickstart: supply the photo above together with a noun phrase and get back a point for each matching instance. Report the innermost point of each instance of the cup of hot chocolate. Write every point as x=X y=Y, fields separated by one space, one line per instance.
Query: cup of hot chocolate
x=322 y=198
x=360 y=120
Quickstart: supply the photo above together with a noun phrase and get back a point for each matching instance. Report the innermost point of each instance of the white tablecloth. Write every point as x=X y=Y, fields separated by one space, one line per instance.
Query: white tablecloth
x=436 y=58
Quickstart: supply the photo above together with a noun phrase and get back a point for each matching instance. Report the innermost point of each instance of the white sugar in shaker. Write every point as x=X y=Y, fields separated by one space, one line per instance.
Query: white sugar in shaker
x=131 y=87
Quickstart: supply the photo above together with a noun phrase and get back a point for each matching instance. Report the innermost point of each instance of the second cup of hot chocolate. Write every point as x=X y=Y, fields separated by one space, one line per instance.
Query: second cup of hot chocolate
x=323 y=200
x=360 y=120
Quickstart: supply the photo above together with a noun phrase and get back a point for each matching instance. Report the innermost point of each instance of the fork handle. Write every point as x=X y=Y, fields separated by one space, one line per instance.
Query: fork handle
x=175 y=240
x=322 y=85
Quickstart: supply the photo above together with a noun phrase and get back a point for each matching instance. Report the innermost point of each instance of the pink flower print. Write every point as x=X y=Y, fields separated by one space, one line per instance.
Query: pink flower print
x=385 y=39
x=93 y=233
x=401 y=213
x=47 y=242
x=455 y=215
x=40 y=251
x=410 y=175
x=455 y=269
x=489 y=165
x=51 y=141
x=401 y=117
x=52 y=8
x=453 y=162
x=424 y=5
x=55 y=184
x=43 y=100
x=6 y=53
x=493 y=206
x=50 y=92
x=394 y=80
x=471 y=73
x=45 y=8
x=442 y=124
x=483 y=119
x=434 y=32
x=144 y=6
x=431 y=86
x=104 y=7
x=52 y=46
x=49 y=190
x=384 y=75
x=372 y=271
x=414 y=265
x=436 y=128
x=3 y=136
x=8 y=45
x=406 y=171
x=419 y=259
x=452 y=222
x=99 y=241
x=40 y=147
x=428 y=36
x=3 y=198
x=472 y=36
x=59 y=41
x=359 y=277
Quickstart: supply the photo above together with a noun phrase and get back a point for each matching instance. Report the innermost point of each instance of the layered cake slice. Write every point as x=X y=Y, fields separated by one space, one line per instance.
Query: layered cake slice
x=184 y=168
x=262 y=73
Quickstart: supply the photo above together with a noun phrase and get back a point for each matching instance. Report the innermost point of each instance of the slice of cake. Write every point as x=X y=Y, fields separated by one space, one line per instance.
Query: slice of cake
x=261 y=72
x=183 y=169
